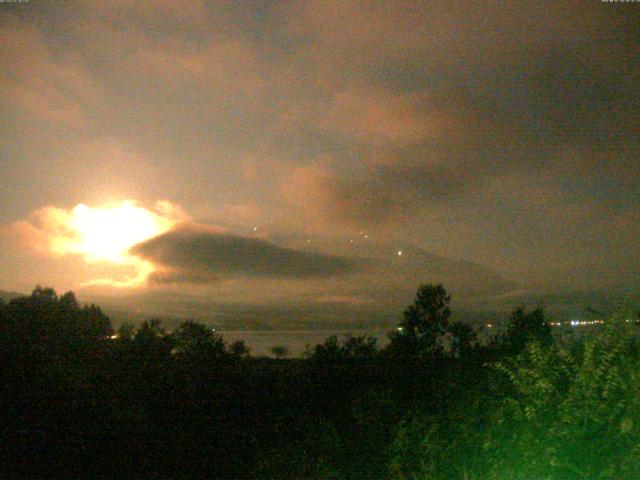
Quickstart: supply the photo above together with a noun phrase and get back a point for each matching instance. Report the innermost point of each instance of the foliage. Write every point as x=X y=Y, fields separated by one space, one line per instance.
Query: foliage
x=239 y=349
x=573 y=410
x=351 y=347
x=463 y=339
x=48 y=326
x=435 y=447
x=280 y=351
x=156 y=404
x=150 y=331
x=126 y=332
x=526 y=327
x=192 y=339
x=424 y=323
x=567 y=411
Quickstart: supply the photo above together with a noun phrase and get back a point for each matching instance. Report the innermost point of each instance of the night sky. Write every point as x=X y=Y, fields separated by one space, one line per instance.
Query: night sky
x=309 y=151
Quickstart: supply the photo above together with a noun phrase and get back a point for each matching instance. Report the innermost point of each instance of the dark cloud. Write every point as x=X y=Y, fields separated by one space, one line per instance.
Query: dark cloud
x=501 y=133
x=200 y=255
x=466 y=99
x=464 y=146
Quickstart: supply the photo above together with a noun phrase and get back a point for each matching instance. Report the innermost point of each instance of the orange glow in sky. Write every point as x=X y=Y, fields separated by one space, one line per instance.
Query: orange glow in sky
x=105 y=234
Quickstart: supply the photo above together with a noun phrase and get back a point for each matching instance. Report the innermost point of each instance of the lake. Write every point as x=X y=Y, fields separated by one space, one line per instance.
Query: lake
x=262 y=341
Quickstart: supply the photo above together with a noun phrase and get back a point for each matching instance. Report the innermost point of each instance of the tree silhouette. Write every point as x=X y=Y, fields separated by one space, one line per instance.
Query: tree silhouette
x=239 y=349
x=43 y=326
x=184 y=402
x=463 y=338
x=424 y=323
x=350 y=347
x=280 y=351
x=330 y=349
x=95 y=324
x=196 y=340
x=44 y=294
x=526 y=327
x=126 y=332
x=360 y=346
x=150 y=331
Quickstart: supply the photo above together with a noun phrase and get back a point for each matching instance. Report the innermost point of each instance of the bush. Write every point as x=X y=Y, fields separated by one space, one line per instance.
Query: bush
x=566 y=411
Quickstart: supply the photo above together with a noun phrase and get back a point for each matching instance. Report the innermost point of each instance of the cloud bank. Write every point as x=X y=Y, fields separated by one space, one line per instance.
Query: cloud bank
x=505 y=134
x=201 y=254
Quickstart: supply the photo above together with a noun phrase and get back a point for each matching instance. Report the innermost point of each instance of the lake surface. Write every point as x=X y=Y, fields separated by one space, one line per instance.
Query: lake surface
x=262 y=341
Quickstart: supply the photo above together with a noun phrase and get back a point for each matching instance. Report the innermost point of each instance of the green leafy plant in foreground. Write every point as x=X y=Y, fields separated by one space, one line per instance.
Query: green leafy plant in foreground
x=570 y=410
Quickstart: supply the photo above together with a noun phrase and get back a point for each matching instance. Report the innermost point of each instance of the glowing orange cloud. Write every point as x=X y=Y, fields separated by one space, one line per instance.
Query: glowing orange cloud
x=107 y=233
x=104 y=234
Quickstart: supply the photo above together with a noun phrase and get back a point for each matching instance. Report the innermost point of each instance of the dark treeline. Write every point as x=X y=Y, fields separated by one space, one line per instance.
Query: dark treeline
x=79 y=401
